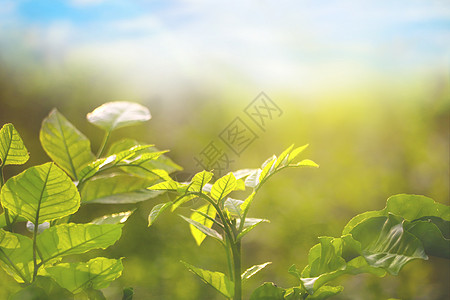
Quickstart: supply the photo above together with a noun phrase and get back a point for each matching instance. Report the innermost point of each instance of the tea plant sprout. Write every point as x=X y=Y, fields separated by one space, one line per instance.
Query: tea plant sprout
x=228 y=215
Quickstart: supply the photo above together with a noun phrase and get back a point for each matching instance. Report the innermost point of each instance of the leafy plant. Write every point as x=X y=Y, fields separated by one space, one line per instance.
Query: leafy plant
x=47 y=196
x=224 y=218
x=375 y=242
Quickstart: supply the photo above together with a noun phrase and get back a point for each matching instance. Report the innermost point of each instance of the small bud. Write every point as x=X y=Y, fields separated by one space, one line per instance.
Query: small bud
x=41 y=227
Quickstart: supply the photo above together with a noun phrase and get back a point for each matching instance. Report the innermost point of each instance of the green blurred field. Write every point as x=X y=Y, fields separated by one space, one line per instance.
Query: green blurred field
x=381 y=139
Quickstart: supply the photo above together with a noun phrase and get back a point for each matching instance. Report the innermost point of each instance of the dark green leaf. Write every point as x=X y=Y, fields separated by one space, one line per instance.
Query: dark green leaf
x=268 y=291
x=431 y=237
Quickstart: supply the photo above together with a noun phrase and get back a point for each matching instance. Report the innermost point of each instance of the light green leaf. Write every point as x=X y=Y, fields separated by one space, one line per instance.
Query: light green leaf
x=268 y=291
x=305 y=163
x=386 y=244
x=223 y=186
x=65 y=145
x=282 y=158
x=243 y=173
x=253 y=179
x=253 y=270
x=12 y=148
x=43 y=288
x=168 y=185
x=294 y=153
x=66 y=239
x=97 y=273
x=16 y=255
x=117 y=189
x=325 y=292
x=199 y=231
x=234 y=207
x=249 y=224
x=118 y=218
x=181 y=200
x=246 y=205
x=268 y=167
x=217 y=280
x=156 y=211
x=114 y=115
x=162 y=162
x=41 y=193
x=199 y=180
x=13 y=219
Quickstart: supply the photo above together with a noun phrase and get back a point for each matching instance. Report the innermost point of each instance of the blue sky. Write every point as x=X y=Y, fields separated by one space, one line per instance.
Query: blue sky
x=277 y=42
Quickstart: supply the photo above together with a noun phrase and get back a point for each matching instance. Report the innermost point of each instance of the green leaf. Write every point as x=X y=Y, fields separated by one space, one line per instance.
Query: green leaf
x=253 y=270
x=16 y=254
x=41 y=193
x=294 y=153
x=305 y=163
x=409 y=207
x=43 y=288
x=114 y=115
x=168 y=185
x=223 y=186
x=117 y=189
x=162 y=162
x=128 y=293
x=13 y=219
x=246 y=205
x=252 y=180
x=217 y=280
x=268 y=291
x=386 y=244
x=201 y=226
x=12 y=148
x=117 y=218
x=65 y=145
x=249 y=224
x=282 y=158
x=199 y=180
x=181 y=200
x=325 y=292
x=156 y=211
x=268 y=167
x=66 y=239
x=243 y=173
x=234 y=207
x=431 y=237
x=97 y=273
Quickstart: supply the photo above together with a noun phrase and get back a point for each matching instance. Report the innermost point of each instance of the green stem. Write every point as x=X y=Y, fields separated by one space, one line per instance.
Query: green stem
x=236 y=249
x=227 y=247
x=103 y=146
x=8 y=221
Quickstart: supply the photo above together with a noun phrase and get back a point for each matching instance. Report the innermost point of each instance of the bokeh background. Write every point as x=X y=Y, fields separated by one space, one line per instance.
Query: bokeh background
x=365 y=83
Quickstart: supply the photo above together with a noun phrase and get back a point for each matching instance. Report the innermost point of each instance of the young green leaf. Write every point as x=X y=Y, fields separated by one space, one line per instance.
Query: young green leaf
x=431 y=237
x=253 y=270
x=217 y=280
x=234 y=207
x=66 y=239
x=65 y=145
x=114 y=115
x=41 y=193
x=168 y=185
x=16 y=255
x=199 y=181
x=117 y=218
x=223 y=186
x=12 y=148
x=253 y=179
x=249 y=224
x=325 y=292
x=43 y=288
x=282 y=158
x=201 y=226
x=97 y=273
x=294 y=153
x=117 y=189
x=156 y=211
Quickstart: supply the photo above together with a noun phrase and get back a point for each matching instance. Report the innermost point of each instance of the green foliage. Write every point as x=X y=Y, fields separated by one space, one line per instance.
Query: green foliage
x=224 y=218
x=376 y=242
x=48 y=195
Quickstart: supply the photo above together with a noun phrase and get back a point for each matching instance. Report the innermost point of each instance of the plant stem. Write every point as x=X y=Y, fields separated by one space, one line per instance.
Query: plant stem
x=103 y=146
x=229 y=257
x=236 y=249
x=8 y=221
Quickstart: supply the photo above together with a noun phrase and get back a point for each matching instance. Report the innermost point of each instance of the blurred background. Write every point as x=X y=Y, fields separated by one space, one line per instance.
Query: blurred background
x=365 y=83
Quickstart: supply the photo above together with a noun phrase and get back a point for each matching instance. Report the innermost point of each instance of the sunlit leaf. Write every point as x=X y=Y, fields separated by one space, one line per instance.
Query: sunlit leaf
x=223 y=186
x=12 y=148
x=41 y=193
x=16 y=255
x=65 y=145
x=249 y=224
x=156 y=211
x=325 y=292
x=43 y=288
x=431 y=237
x=217 y=280
x=66 y=239
x=199 y=180
x=200 y=226
x=253 y=179
x=117 y=218
x=114 y=115
x=234 y=207
x=253 y=270
x=294 y=153
x=97 y=273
